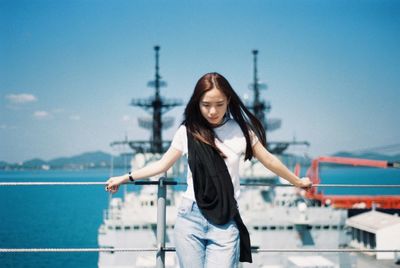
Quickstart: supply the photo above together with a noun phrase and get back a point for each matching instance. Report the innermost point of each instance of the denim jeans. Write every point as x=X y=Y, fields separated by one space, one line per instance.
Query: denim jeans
x=201 y=244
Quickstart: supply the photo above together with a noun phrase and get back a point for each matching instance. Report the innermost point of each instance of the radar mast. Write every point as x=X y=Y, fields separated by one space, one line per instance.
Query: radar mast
x=156 y=106
x=260 y=108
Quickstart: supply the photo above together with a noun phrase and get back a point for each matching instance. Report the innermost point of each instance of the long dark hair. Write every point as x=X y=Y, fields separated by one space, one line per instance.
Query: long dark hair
x=202 y=130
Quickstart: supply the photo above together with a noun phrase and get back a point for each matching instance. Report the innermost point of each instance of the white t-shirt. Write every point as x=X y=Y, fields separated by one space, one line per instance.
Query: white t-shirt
x=231 y=142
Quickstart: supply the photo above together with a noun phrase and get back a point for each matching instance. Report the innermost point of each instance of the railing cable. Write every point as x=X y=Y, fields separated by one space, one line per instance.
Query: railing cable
x=178 y=183
x=172 y=249
x=27 y=250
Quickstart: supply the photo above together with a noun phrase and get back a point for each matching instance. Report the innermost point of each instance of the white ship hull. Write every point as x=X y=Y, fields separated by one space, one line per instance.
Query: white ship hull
x=275 y=218
x=131 y=224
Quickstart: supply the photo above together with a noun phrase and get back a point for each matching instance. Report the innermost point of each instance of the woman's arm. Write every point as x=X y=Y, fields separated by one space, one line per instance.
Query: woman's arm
x=275 y=165
x=154 y=168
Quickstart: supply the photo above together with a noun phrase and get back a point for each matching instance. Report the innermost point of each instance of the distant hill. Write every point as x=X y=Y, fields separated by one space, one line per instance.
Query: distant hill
x=88 y=160
x=91 y=159
x=99 y=159
x=3 y=164
x=34 y=163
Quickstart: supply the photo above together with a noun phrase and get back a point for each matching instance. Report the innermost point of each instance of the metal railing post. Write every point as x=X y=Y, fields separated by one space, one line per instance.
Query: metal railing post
x=161 y=221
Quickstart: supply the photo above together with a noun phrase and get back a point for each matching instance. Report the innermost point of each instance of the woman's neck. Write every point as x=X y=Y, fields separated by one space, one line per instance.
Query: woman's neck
x=223 y=121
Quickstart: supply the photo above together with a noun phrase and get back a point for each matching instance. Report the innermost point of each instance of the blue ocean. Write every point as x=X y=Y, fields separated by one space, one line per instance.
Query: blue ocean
x=51 y=216
x=69 y=216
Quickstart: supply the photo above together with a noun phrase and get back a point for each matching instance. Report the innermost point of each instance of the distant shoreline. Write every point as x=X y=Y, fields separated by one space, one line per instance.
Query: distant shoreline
x=102 y=160
x=21 y=168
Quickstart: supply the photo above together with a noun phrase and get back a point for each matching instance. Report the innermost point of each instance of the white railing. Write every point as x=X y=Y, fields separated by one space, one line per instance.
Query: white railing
x=161 y=220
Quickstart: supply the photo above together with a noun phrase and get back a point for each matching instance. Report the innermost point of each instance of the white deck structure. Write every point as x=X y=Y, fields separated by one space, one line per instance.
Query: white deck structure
x=275 y=218
x=375 y=230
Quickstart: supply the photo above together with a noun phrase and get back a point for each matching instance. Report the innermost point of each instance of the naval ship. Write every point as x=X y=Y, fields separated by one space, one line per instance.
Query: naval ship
x=276 y=217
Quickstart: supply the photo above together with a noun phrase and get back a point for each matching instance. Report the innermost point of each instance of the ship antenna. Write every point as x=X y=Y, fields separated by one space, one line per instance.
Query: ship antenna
x=259 y=106
x=156 y=105
x=157 y=122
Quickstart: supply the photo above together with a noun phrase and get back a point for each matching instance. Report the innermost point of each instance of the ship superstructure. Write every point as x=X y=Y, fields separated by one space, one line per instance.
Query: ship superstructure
x=156 y=106
x=276 y=217
x=260 y=109
x=271 y=214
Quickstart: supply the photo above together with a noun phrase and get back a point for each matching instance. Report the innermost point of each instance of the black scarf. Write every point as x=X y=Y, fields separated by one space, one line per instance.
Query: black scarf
x=213 y=190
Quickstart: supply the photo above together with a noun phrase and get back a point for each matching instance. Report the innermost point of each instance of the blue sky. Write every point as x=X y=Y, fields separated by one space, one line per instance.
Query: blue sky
x=69 y=69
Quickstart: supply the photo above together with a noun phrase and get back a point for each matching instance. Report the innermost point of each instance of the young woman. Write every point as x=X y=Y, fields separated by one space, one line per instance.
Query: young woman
x=217 y=129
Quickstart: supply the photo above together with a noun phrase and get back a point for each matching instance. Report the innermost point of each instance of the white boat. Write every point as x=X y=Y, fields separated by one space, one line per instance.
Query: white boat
x=276 y=217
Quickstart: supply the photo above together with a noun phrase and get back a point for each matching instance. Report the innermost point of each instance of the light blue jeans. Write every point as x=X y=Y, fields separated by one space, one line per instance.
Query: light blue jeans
x=201 y=244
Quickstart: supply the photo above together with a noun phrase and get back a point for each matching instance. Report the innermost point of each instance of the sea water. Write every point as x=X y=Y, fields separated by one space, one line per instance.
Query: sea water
x=69 y=216
x=51 y=217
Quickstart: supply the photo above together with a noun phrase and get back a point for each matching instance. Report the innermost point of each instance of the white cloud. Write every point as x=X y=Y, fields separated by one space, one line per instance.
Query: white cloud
x=41 y=115
x=21 y=98
x=58 y=110
x=75 y=117
x=5 y=126
x=126 y=118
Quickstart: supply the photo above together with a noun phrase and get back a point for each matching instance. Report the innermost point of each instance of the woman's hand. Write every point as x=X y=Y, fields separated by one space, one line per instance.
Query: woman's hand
x=304 y=183
x=113 y=184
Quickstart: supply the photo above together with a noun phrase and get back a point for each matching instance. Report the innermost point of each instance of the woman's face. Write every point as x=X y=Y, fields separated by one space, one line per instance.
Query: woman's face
x=213 y=105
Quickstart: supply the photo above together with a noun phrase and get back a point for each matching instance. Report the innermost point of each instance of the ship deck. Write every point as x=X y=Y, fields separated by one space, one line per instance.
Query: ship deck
x=369 y=261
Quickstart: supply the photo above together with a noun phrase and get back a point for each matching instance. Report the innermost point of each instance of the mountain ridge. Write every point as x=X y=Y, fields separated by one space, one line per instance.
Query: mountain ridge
x=100 y=159
x=86 y=160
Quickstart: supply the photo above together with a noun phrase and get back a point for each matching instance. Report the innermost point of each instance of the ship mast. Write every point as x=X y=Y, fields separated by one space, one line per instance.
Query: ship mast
x=156 y=106
x=260 y=108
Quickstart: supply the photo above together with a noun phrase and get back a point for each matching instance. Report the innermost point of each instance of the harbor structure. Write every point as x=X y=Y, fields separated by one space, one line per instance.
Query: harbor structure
x=375 y=230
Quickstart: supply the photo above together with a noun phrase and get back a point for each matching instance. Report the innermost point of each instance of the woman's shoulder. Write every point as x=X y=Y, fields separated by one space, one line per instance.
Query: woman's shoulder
x=181 y=131
x=182 y=127
x=179 y=141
